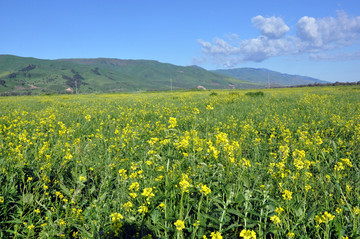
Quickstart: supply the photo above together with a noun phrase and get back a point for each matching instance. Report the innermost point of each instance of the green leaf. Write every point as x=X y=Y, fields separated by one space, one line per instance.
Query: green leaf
x=235 y=212
x=234 y=225
x=213 y=219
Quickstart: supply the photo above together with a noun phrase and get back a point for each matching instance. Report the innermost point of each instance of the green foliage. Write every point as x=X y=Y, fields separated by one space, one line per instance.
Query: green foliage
x=255 y=94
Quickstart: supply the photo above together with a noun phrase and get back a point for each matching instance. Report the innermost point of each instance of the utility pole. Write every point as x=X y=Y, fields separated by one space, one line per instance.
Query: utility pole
x=76 y=89
x=171 y=84
x=268 y=81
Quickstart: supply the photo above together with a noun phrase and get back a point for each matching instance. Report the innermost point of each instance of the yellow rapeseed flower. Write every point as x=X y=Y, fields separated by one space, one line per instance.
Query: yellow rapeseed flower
x=339 y=166
x=31 y=227
x=196 y=224
x=172 y=123
x=209 y=107
x=325 y=218
x=122 y=173
x=184 y=183
x=287 y=195
x=148 y=192
x=205 y=190
x=180 y=225
x=216 y=235
x=134 y=187
x=356 y=210
x=245 y=162
x=279 y=210
x=133 y=195
x=291 y=234
x=196 y=111
x=116 y=217
x=128 y=205
x=143 y=209
x=275 y=219
x=328 y=216
x=347 y=162
x=248 y=234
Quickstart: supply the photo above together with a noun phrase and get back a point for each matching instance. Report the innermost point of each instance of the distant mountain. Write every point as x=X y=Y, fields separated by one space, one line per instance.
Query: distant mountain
x=25 y=75
x=265 y=77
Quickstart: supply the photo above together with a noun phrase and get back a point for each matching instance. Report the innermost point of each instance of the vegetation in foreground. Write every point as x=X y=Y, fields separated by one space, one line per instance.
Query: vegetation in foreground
x=284 y=164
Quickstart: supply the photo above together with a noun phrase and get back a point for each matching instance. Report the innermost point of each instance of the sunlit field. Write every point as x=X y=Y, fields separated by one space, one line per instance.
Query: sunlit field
x=198 y=164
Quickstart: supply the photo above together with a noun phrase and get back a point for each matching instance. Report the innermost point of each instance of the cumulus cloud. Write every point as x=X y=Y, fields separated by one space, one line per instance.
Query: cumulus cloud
x=271 y=27
x=313 y=36
x=328 y=33
x=256 y=50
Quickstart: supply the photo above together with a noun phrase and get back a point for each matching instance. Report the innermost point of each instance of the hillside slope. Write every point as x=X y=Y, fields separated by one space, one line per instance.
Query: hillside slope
x=265 y=77
x=31 y=75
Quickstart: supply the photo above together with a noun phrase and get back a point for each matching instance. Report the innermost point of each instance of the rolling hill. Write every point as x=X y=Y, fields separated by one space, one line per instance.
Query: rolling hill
x=26 y=75
x=22 y=75
x=265 y=77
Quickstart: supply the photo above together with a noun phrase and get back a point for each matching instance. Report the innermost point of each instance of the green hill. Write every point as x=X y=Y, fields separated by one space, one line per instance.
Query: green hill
x=22 y=75
x=265 y=77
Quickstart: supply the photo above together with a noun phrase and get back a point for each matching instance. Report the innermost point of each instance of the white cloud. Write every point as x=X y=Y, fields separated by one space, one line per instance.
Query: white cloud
x=256 y=50
x=313 y=36
x=218 y=47
x=328 y=33
x=272 y=27
x=335 y=57
x=308 y=31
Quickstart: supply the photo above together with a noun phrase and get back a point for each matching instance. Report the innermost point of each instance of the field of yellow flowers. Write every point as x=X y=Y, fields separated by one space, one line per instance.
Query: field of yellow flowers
x=222 y=164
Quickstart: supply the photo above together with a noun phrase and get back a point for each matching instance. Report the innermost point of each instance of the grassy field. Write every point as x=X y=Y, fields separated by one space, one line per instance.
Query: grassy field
x=218 y=164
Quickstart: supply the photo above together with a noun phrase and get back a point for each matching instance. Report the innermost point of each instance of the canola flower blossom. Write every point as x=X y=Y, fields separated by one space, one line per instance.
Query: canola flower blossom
x=180 y=225
x=325 y=218
x=279 y=210
x=287 y=195
x=128 y=205
x=216 y=235
x=30 y=227
x=205 y=190
x=172 y=123
x=184 y=183
x=148 y=192
x=134 y=186
x=116 y=222
x=88 y=117
x=116 y=217
x=275 y=219
x=248 y=234
x=291 y=235
x=143 y=209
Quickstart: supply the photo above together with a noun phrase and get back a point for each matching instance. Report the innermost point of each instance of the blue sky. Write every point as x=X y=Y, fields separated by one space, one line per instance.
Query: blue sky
x=315 y=38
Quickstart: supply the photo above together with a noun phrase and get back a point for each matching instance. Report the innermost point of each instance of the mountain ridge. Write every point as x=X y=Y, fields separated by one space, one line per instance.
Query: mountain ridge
x=28 y=75
x=268 y=77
